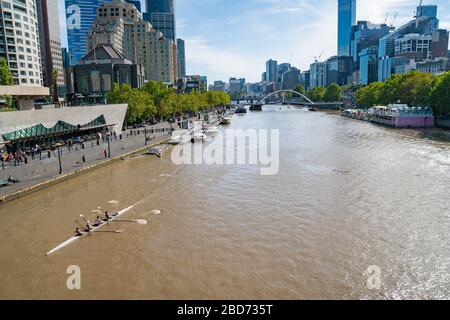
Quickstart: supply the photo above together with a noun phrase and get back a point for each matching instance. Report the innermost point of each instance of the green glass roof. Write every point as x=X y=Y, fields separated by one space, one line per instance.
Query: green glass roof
x=60 y=127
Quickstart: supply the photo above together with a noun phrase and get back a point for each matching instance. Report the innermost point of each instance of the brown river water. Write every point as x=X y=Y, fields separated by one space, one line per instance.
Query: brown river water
x=348 y=195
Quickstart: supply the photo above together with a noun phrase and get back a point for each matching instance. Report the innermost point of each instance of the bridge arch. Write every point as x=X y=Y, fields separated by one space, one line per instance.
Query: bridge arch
x=292 y=91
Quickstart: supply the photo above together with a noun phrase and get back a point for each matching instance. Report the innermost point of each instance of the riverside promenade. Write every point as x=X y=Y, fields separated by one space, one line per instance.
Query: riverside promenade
x=45 y=171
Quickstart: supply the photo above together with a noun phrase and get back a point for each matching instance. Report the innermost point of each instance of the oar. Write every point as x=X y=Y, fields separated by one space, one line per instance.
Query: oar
x=87 y=221
x=140 y=221
x=112 y=231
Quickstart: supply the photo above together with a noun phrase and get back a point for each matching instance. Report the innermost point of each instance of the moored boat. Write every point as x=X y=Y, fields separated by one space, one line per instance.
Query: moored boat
x=225 y=120
x=241 y=110
x=256 y=107
x=402 y=116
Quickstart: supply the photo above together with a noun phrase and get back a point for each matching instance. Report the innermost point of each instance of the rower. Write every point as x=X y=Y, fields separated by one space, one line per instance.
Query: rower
x=107 y=217
x=88 y=227
x=98 y=222
x=78 y=233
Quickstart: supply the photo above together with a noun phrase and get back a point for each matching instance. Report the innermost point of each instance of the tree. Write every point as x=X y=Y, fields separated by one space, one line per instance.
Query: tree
x=155 y=99
x=440 y=95
x=316 y=94
x=370 y=95
x=300 y=89
x=55 y=76
x=6 y=77
x=332 y=93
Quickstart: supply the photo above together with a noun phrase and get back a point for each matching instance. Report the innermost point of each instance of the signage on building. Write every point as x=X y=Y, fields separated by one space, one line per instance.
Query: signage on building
x=104 y=61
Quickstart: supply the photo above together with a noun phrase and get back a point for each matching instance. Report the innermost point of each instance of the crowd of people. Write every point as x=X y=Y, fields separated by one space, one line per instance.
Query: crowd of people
x=18 y=157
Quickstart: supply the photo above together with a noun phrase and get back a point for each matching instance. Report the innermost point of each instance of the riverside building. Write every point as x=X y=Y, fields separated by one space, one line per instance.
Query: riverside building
x=120 y=25
x=19 y=41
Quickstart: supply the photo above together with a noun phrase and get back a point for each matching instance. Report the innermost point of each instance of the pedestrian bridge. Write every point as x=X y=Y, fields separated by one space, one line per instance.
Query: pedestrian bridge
x=263 y=100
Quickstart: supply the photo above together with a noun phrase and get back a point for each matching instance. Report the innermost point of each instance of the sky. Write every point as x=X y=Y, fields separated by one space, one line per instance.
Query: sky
x=234 y=38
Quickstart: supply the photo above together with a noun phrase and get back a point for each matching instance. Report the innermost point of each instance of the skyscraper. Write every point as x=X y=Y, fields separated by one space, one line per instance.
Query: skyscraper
x=79 y=15
x=20 y=41
x=50 y=41
x=161 y=14
x=272 y=71
x=181 y=59
x=346 y=19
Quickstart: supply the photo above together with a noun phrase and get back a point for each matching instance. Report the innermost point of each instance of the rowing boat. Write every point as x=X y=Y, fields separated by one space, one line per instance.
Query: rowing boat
x=74 y=238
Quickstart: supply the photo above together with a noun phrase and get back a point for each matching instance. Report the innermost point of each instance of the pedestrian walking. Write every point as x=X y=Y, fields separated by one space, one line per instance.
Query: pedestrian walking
x=105 y=153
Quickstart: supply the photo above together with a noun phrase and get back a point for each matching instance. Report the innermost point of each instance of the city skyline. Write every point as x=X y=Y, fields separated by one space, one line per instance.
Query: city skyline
x=270 y=32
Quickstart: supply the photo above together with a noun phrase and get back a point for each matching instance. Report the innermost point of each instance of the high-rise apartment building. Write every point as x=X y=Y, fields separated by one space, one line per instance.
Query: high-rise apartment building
x=79 y=17
x=318 y=75
x=50 y=42
x=181 y=55
x=346 y=19
x=19 y=41
x=120 y=24
x=161 y=14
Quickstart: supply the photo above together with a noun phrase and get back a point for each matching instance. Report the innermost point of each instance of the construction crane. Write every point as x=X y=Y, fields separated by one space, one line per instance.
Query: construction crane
x=316 y=59
x=417 y=14
x=393 y=20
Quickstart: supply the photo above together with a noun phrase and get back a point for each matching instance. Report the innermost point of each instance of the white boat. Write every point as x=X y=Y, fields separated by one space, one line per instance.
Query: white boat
x=74 y=238
x=183 y=138
x=212 y=130
x=226 y=120
x=199 y=137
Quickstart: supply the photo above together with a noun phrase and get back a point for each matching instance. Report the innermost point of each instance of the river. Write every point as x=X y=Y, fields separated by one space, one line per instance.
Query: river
x=349 y=196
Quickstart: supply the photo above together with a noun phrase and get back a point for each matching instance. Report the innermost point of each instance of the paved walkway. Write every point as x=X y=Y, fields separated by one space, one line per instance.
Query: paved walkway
x=37 y=171
x=44 y=169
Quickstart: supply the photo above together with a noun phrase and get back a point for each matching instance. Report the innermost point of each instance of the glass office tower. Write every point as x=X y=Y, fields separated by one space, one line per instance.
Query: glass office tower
x=161 y=14
x=346 y=19
x=79 y=17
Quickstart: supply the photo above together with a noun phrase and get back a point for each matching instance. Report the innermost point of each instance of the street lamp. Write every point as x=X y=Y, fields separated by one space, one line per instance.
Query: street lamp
x=59 y=160
x=109 y=147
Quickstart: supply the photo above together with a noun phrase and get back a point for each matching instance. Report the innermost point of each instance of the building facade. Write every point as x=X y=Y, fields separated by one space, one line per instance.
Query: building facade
x=79 y=17
x=365 y=35
x=393 y=51
x=305 y=79
x=346 y=19
x=318 y=75
x=120 y=24
x=96 y=73
x=161 y=14
x=50 y=42
x=368 y=67
x=19 y=43
x=338 y=70
x=181 y=55
x=291 y=79
x=236 y=85
x=272 y=71
x=437 y=66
